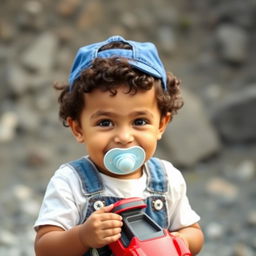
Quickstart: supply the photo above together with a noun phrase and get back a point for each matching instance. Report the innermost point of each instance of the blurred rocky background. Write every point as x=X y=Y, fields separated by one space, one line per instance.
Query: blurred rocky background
x=209 y=45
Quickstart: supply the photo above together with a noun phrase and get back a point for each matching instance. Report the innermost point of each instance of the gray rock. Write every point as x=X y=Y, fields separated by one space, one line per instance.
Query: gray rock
x=253 y=243
x=38 y=156
x=4 y=52
x=167 y=15
x=90 y=15
x=63 y=59
x=67 y=8
x=65 y=35
x=213 y=92
x=31 y=16
x=222 y=189
x=8 y=125
x=233 y=43
x=43 y=102
x=251 y=218
x=167 y=40
x=33 y=7
x=190 y=136
x=242 y=172
x=234 y=117
x=7 y=238
x=129 y=20
x=7 y=31
x=20 y=82
x=18 y=79
x=40 y=82
x=13 y=251
x=241 y=249
x=28 y=118
x=214 y=248
x=39 y=56
x=30 y=208
x=145 y=19
x=240 y=13
x=214 y=231
x=21 y=192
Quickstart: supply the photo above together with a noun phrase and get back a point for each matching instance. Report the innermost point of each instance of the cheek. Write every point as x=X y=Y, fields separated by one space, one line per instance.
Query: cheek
x=96 y=143
x=94 y=137
x=96 y=154
x=149 y=143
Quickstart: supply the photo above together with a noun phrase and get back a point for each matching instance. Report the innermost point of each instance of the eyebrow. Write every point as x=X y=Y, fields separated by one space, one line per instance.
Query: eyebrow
x=102 y=113
x=111 y=114
x=142 y=113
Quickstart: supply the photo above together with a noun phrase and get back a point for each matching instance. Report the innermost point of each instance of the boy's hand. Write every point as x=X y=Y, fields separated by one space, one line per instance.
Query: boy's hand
x=101 y=228
x=178 y=234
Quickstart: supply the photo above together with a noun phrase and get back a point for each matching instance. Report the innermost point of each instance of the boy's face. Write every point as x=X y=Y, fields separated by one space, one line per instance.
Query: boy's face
x=119 y=121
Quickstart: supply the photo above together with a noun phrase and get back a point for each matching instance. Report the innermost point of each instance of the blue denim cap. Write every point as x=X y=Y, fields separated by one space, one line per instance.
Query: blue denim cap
x=142 y=56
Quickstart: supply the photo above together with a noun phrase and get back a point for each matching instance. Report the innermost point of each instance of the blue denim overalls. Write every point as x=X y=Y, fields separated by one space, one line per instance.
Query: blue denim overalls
x=93 y=189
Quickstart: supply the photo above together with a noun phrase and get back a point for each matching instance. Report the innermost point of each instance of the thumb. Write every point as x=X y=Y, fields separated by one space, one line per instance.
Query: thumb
x=107 y=208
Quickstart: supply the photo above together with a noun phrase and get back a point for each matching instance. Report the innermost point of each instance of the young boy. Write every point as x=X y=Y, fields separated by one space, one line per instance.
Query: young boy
x=119 y=100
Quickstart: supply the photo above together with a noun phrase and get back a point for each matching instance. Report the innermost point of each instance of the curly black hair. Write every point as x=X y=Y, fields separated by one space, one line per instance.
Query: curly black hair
x=107 y=74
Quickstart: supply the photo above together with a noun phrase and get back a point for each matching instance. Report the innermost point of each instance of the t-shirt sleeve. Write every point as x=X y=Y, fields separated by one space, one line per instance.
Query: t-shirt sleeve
x=59 y=207
x=181 y=213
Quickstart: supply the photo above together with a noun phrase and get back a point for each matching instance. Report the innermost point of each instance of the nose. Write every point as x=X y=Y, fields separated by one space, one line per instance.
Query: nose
x=124 y=136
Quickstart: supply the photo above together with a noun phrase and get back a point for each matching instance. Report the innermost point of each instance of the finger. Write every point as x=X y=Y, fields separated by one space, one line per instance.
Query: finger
x=112 y=232
x=111 y=239
x=179 y=235
x=108 y=224
x=107 y=208
x=110 y=216
x=175 y=234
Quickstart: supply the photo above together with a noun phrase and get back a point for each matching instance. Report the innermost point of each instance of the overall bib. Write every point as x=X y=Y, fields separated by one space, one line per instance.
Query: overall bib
x=93 y=189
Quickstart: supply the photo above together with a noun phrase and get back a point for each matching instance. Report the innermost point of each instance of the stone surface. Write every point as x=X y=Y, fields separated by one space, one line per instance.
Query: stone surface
x=234 y=117
x=39 y=56
x=233 y=43
x=8 y=125
x=209 y=45
x=222 y=189
x=190 y=137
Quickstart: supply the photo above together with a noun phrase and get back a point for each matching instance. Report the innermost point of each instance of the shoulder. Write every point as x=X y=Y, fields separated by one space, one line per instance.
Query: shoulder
x=63 y=203
x=64 y=172
x=64 y=185
x=64 y=178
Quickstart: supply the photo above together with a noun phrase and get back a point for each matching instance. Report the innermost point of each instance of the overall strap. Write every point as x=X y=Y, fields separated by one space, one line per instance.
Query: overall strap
x=89 y=176
x=157 y=181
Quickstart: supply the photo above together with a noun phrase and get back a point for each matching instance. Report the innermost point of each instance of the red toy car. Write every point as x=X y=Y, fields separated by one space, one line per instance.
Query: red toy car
x=142 y=236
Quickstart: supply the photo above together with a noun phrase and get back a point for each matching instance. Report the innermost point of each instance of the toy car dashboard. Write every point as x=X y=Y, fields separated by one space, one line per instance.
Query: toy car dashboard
x=141 y=235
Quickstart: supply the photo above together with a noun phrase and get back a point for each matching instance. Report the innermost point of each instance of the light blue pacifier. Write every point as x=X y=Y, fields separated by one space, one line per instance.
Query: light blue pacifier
x=123 y=161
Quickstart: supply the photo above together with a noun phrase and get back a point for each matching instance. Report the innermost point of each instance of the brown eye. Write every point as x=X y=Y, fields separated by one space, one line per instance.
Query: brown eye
x=105 y=123
x=140 y=122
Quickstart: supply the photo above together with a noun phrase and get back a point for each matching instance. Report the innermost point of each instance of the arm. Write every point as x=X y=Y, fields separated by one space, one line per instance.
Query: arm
x=100 y=229
x=193 y=237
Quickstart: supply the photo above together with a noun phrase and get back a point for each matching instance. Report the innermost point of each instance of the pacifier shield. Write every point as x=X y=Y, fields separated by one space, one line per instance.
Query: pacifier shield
x=123 y=161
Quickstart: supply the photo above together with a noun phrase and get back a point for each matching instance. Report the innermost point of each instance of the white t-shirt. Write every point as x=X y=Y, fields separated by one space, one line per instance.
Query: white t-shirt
x=64 y=203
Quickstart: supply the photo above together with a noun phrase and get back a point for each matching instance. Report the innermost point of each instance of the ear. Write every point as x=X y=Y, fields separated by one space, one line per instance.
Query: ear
x=76 y=129
x=163 y=124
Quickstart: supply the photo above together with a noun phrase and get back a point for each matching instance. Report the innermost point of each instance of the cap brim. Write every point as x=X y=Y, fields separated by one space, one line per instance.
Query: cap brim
x=144 y=68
